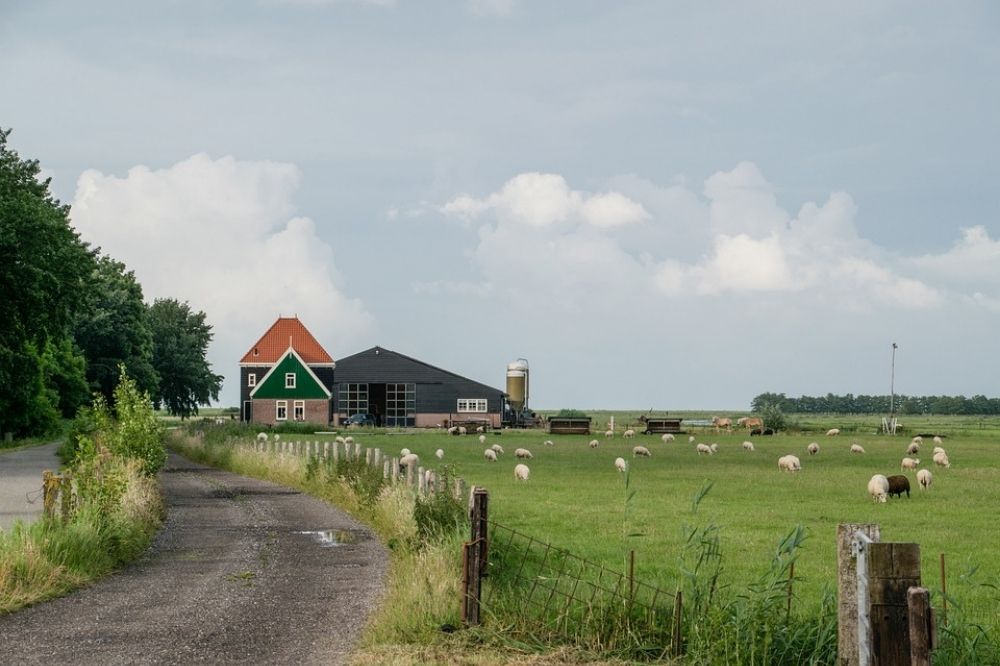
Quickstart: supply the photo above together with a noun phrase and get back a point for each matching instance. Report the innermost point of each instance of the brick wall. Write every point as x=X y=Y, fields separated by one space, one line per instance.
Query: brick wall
x=317 y=411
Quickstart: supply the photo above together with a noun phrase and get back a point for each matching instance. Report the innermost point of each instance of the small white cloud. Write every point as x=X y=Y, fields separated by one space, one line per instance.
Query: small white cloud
x=741 y=263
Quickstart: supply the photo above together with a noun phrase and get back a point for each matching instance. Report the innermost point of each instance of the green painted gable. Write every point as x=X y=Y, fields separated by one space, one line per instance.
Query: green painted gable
x=273 y=385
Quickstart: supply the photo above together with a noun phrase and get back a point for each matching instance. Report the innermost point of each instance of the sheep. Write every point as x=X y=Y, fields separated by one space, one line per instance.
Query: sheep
x=714 y=447
x=918 y=439
x=608 y=434
x=938 y=449
x=523 y=453
x=704 y=448
x=641 y=451
x=909 y=463
x=453 y=430
x=857 y=448
x=898 y=484
x=878 y=488
x=497 y=449
x=690 y=439
x=666 y=437
x=404 y=452
x=620 y=464
x=938 y=440
x=277 y=437
x=262 y=437
x=941 y=459
x=490 y=455
x=521 y=472
x=924 y=479
x=440 y=454
x=347 y=440
x=548 y=442
x=833 y=432
x=789 y=463
x=913 y=449
x=593 y=444
x=748 y=446
x=481 y=429
x=813 y=448
x=462 y=430
x=482 y=439
x=628 y=434
x=409 y=459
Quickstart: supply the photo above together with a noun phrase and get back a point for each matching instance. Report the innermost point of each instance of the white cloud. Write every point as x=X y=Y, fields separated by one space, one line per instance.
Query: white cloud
x=222 y=235
x=974 y=258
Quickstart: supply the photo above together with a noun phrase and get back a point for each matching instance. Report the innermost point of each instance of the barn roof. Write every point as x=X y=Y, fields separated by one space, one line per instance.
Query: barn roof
x=381 y=364
x=284 y=333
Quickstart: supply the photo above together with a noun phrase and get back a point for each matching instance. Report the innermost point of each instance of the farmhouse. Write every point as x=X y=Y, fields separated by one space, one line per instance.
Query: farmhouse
x=398 y=390
x=286 y=376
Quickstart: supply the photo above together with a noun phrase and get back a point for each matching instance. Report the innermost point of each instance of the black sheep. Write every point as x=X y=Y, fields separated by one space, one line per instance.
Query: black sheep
x=899 y=484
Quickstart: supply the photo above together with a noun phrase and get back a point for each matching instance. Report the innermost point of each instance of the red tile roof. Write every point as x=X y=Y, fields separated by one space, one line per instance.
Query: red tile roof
x=287 y=331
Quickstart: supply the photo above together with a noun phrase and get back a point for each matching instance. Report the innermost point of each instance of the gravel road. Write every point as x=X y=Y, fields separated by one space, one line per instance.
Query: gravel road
x=233 y=577
x=21 y=482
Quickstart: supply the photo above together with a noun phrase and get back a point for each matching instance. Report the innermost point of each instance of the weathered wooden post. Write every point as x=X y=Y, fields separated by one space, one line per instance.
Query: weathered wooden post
x=847 y=578
x=410 y=470
x=377 y=458
x=357 y=450
x=675 y=639
x=386 y=470
x=326 y=450
x=893 y=569
x=49 y=488
x=368 y=457
x=476 y=554
x=421 y=482
x=394 y=470
x=459 y=491
x=922 y=634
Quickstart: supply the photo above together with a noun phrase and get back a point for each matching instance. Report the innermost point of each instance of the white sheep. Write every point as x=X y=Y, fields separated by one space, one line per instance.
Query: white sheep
x=481 y=429
x=641 y=451
x=878 y=488
x=409 y=459
x=482 y=439
x=918 y=439
x=857 y=448
x=941 y=460
x=690 y=439
x=666 y=437
x=938 y=440
x=277 y=437
x=404 y=452
x=490 y=455
x=608 y=434
x=925 y=479
x=938 y=449
x=789 y=463
x=462 y=430
x=620 y=464
x=909 y=463
x=440 y=454
x=714 y=447
x=497 y=449
x=913 y=448
x=522 y=453
x=548 y=442
x=453 y=430
x=628 y=434
x=521 y=472
x=594 y=444
x=813 y=448
x=262 y=437
x=833 y=432
x=704 y=448
x=748 y=446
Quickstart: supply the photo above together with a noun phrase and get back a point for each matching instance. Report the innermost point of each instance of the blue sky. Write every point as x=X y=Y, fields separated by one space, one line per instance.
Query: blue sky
x=669 y=205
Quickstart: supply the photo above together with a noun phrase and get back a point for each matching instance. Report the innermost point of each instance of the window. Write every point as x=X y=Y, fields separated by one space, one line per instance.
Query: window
x=353 y=400
x=289 y=380
x=281 y=410
x=299 y=410
x=400 y=405
x=252 y=379
x=477 y=405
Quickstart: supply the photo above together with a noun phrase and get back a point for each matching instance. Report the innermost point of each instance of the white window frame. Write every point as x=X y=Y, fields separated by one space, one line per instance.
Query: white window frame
x=299 y=410
x=289 y=380
x=252 y=379
x=281 y=410
x=472 y=406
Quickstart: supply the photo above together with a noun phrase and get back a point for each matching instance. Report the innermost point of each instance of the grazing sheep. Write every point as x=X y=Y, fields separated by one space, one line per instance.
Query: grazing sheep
x=813 y=448
x=620 y=464
x=497 y=449
x=666 y=437
x=453 y=430
x=440 y=454
x=462 y=430
x=641 y=451
x=918 y=439
x=925 y=479
x=482 y=439
x=409 y=459
x=909 y=463
x=789 y=463
x=490 y=455
x=857 y=448
x=690 y=439
x=878 y=488
x=898 y=484
x=748 y=446
x=521 y=472
x=347 y=440
x=262 y=437
x=714 y=447
x=594 y=444
x=548 y=442
x=937 y=450
x=941 y=459
x=277 y=437
x=522 y=453
x=938 y=440
x=481 y=429
x=913 y=449
x=833 y=432
x=404 y=452
x=704 y=448
x=608 y=434
x=628 y=434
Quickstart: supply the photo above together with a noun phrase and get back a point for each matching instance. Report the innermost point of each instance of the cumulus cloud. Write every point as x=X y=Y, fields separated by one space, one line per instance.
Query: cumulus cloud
x=974 y=258
x=222 y=235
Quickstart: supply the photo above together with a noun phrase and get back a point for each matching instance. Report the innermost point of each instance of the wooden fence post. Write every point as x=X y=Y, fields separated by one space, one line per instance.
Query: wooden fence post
x=476 y=552
x=893 y=569
x=675 y=639
x=421 y=481
x=847 y=580
x=49 y=485
x=394 y=470
x=386 y=471
x=918 y=602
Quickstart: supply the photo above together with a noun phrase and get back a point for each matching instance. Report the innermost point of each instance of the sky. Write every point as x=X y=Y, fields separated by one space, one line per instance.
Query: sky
x=661 y=205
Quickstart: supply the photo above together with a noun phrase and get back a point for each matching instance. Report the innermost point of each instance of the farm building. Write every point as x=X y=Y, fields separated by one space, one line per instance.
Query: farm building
x=286 y=376
x=401 y=391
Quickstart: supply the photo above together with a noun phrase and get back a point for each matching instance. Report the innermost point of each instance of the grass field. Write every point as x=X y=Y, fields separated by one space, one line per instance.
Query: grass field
x=576 y=500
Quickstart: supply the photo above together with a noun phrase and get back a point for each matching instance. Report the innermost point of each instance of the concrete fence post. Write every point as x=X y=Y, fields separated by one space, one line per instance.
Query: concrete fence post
x=421 y=481
x=847 y=580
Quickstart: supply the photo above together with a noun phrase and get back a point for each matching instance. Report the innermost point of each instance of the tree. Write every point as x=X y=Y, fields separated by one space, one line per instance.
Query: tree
x=180 y=344
x=113 y=330
x=44 y=267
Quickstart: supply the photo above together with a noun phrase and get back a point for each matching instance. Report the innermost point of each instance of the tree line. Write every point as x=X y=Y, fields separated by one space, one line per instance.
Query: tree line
x=878 y=404
x=71 y=317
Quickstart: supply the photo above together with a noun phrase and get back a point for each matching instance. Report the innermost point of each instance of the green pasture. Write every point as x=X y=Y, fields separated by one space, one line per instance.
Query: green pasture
x=575 y=499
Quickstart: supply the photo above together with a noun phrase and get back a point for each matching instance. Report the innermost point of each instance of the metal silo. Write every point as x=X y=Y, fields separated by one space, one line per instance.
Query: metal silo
x=517 y=384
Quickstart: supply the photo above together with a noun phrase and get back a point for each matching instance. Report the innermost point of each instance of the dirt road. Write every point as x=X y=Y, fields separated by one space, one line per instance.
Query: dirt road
x=235 y=576
x=21 y=482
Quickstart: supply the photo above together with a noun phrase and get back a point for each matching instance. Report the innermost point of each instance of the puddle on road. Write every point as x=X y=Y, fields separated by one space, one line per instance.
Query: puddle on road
x=331 y=538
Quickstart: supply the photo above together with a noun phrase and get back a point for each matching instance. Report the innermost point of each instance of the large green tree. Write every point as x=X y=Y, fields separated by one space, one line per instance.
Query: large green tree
x=44 y=270
x=113 y=330
x=180 y=345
